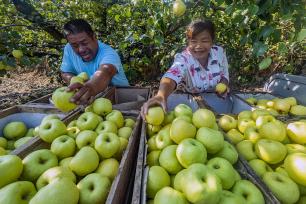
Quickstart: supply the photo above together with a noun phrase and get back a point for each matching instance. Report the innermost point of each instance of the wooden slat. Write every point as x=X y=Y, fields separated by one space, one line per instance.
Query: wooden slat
x=119 y=189
x=137 y=189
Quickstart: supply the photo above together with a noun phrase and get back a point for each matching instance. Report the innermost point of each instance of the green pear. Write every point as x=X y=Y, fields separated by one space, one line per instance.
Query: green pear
x=83 y=75
x=129 y=122
x=51 y=129
x=102 y=106
x=153 y=158
x=109 y=168
x=19 y=192
x=50 y=117
x=35 y=163
x=76 y=79
x=94 y=188
x=54 y=173
x=14 y=130
x=61 y=99
x=116 y=117
x=85 y=161
x=157 y=179
x=65 y=162
x=179 y=8
x=30 y=133
x=17 y=54
x=59 y=191
x=10 y=168
x=3 y=142
x=298 y=110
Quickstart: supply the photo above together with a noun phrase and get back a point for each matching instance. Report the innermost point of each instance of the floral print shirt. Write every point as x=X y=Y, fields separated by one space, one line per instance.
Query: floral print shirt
x=190 y=76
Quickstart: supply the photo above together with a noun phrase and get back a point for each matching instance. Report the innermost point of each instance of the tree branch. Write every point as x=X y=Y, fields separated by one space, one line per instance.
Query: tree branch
x=29 y=13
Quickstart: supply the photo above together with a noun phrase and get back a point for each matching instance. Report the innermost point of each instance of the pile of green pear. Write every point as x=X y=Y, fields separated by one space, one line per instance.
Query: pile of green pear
x=276 y=151
x=190 y=162
x=80 y=165
x=15 y=134
x=279 y=106
x=61 y=97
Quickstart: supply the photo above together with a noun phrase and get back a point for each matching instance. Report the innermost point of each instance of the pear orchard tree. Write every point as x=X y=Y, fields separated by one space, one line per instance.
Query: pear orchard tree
x=260 y=37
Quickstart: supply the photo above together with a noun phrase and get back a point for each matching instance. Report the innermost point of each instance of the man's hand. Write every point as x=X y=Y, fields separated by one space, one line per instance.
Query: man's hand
x=156 y=100
x=85 y=93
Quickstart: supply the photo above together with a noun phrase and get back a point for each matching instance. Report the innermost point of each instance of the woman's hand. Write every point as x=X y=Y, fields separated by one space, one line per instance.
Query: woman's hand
x=224 y=94
x=156 y=100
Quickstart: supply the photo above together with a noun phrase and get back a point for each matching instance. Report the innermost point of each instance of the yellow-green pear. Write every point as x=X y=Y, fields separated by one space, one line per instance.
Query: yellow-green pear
x=85 y=161
x=179 y=8
x=291 y=100
x=3 y=142
x=298 y=110
x=282 y=106
x=54 y=173
x=59 y=191
x=93 y=188
x=221 y=88
x=83 y=75
x=109 y=168
x=61 y=99
x=17 y=54
x=19 y=192
x=10 y=169
x=76 y=79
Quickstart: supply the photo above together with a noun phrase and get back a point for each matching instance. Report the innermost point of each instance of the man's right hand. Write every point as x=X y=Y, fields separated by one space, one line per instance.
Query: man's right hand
x=156 y=100
x=85 y=93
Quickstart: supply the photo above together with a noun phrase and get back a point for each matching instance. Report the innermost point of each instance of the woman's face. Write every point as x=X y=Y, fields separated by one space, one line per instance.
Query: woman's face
x=200 y=45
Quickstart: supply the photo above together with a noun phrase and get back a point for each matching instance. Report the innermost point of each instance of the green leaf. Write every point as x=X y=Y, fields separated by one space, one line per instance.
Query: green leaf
x=229 y=9
x=253 y=9
x=259 y=49
x=266 y=31
x=301 y=35
x=282 y=49
x=265 y=63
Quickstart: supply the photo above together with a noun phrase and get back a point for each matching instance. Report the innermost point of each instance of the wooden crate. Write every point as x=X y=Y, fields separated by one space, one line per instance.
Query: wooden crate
x=128 y=98
x=30 y=115
x=139 y=190
x=121 y=185
x=119 y=188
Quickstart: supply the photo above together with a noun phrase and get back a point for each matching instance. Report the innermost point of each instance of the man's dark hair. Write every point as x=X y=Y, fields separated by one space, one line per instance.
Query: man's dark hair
x=198 y=26
x=77 y=26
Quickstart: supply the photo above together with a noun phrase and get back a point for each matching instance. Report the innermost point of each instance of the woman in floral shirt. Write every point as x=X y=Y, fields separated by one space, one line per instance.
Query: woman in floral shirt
x=200 y=67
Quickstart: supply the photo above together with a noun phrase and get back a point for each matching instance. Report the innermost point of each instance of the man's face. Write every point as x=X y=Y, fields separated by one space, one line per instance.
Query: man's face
x=84 y=45
x=200 y=45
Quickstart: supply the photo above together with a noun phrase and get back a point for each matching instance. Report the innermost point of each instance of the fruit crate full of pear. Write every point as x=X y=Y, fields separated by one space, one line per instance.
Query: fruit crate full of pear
x=271 y=139
x=183 y=158
x=86 y=157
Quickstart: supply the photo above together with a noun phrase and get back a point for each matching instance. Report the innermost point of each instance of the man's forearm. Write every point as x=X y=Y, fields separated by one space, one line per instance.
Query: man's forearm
x=166 y=87
x=102 y=77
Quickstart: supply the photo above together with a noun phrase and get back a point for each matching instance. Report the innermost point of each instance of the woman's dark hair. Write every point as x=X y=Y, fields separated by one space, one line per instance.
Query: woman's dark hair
x=77 y=26
x=198 y=26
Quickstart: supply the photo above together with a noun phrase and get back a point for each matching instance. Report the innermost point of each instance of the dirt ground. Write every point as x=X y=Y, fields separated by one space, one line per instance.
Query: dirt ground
x=23 y=86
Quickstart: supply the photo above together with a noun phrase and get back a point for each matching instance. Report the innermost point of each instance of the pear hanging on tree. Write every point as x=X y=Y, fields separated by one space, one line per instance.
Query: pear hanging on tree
x=179 y=8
